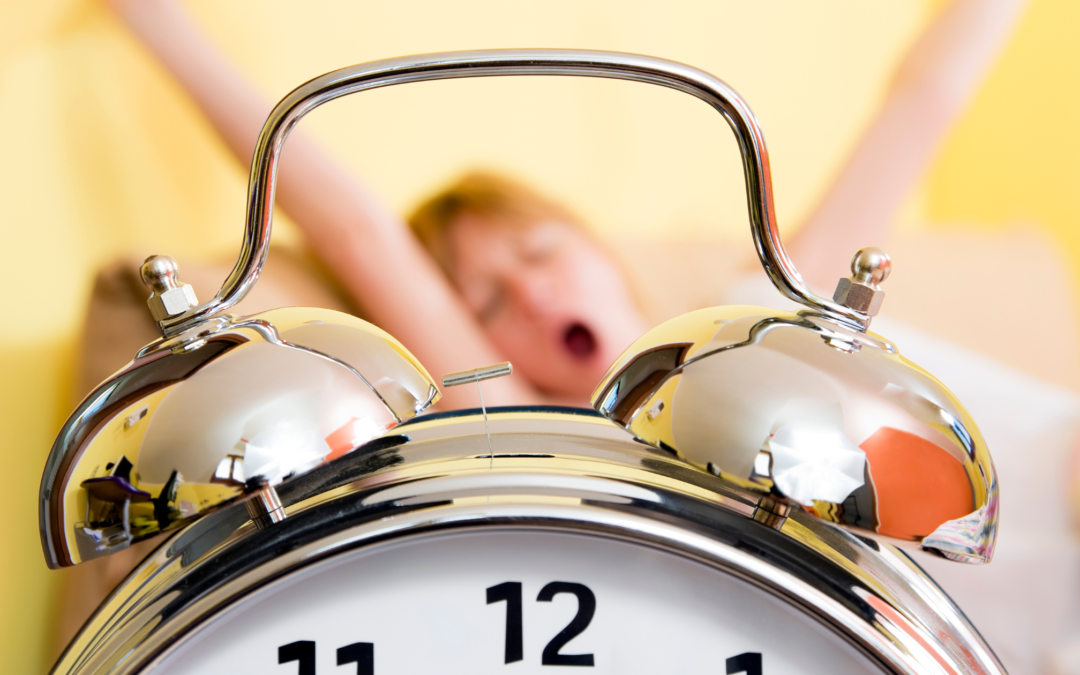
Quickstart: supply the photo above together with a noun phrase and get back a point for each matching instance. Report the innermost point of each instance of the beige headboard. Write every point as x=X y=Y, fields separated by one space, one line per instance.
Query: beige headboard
x=1009 y=296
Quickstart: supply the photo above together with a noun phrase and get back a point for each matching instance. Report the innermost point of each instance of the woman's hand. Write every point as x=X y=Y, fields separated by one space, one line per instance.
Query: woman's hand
x=369 y=249
x=932 y=86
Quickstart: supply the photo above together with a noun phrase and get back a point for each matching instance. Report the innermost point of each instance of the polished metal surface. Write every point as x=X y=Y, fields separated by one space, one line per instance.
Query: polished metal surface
x=264 y=507
x=806 y=406
x=568 y=472
x=478 y=374
x=747 y=411
x=235 y=401
x=503 y=62
x=862 y=290
x=168 y=295
x=816 y=414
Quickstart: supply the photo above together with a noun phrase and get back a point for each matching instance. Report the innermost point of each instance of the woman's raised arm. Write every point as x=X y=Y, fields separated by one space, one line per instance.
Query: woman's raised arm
x=933 y=84
x=375 y=257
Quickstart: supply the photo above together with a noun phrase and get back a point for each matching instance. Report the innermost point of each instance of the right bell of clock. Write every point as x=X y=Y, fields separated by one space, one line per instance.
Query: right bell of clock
x=818 y=411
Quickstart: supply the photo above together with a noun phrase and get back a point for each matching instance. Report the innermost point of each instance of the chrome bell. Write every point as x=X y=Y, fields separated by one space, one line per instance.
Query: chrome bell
x=805 y=405
x=221 y=407
x=808 y=405
x=232 y=405
x=811 y=407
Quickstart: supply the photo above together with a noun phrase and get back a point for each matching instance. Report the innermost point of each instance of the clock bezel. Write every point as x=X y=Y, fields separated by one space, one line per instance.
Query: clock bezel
x=569 y=471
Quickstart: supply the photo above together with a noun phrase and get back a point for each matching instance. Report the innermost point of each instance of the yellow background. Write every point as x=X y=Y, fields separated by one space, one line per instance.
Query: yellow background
x=102 y=155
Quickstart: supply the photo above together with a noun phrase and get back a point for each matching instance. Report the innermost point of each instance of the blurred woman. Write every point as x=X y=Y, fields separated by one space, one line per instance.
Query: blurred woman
x=497 y=272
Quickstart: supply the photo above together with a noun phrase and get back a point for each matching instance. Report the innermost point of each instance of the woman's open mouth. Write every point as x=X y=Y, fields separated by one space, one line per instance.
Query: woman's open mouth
x=579 y=341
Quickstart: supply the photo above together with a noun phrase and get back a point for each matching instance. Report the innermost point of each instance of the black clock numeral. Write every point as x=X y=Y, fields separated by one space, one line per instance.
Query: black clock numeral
x=363 y=653
x=302 y=651
x=586 y=609
x=511 y=593
x=747 y=662
x=360 y=653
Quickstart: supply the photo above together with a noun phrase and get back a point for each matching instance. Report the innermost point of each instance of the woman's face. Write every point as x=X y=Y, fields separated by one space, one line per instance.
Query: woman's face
x=548 y=297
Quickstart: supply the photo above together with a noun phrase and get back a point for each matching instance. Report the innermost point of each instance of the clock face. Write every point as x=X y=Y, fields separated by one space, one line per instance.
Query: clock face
x=510 y=602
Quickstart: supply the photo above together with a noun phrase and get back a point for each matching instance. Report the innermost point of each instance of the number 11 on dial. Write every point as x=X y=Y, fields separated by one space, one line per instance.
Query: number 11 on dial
x=303 y=653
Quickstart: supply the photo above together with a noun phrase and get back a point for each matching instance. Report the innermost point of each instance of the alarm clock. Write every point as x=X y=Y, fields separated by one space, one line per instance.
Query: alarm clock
x=750 y=494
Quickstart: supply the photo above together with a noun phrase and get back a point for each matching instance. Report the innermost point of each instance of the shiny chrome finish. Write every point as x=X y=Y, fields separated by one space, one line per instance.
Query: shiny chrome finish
x=807 y=406
x=862 y=291
x=478 y=374
x=236 y=400
x=168 y=295
x=502 y=62
x=815 y=414
x=568 y=473
x=264 y=507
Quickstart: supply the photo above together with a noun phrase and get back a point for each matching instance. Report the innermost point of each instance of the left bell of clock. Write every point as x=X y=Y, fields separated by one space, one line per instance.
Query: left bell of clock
x=219 y=408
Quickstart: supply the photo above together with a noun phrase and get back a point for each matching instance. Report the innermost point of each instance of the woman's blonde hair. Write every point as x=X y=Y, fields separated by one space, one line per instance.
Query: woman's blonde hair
x=487 y=195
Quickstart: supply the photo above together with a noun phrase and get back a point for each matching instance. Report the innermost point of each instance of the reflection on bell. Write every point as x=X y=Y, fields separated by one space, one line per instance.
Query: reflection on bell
x=817 y=411
x=811 y=458
x=234 y=401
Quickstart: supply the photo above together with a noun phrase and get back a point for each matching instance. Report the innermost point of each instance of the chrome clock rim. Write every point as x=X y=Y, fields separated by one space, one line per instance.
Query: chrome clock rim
x=402 y=489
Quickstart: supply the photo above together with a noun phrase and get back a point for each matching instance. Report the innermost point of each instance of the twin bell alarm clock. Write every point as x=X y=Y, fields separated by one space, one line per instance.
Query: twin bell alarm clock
x=751 y=493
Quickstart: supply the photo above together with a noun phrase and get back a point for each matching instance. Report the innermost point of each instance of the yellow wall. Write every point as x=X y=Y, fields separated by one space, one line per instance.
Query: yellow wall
x=1016 y=156
x=102 y=155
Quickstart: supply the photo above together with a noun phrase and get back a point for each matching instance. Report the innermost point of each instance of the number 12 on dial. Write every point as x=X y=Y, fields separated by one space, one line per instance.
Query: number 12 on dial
x=510 y=593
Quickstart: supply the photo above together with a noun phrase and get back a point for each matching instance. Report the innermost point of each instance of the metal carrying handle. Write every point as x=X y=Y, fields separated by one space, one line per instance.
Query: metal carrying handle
x=502 y=62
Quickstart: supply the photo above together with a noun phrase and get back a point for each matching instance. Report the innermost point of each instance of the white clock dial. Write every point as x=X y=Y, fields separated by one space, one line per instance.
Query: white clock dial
x=513 y=602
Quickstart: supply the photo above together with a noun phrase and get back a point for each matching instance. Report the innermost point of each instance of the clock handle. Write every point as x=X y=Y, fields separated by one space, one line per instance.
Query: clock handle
x=502 y=62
